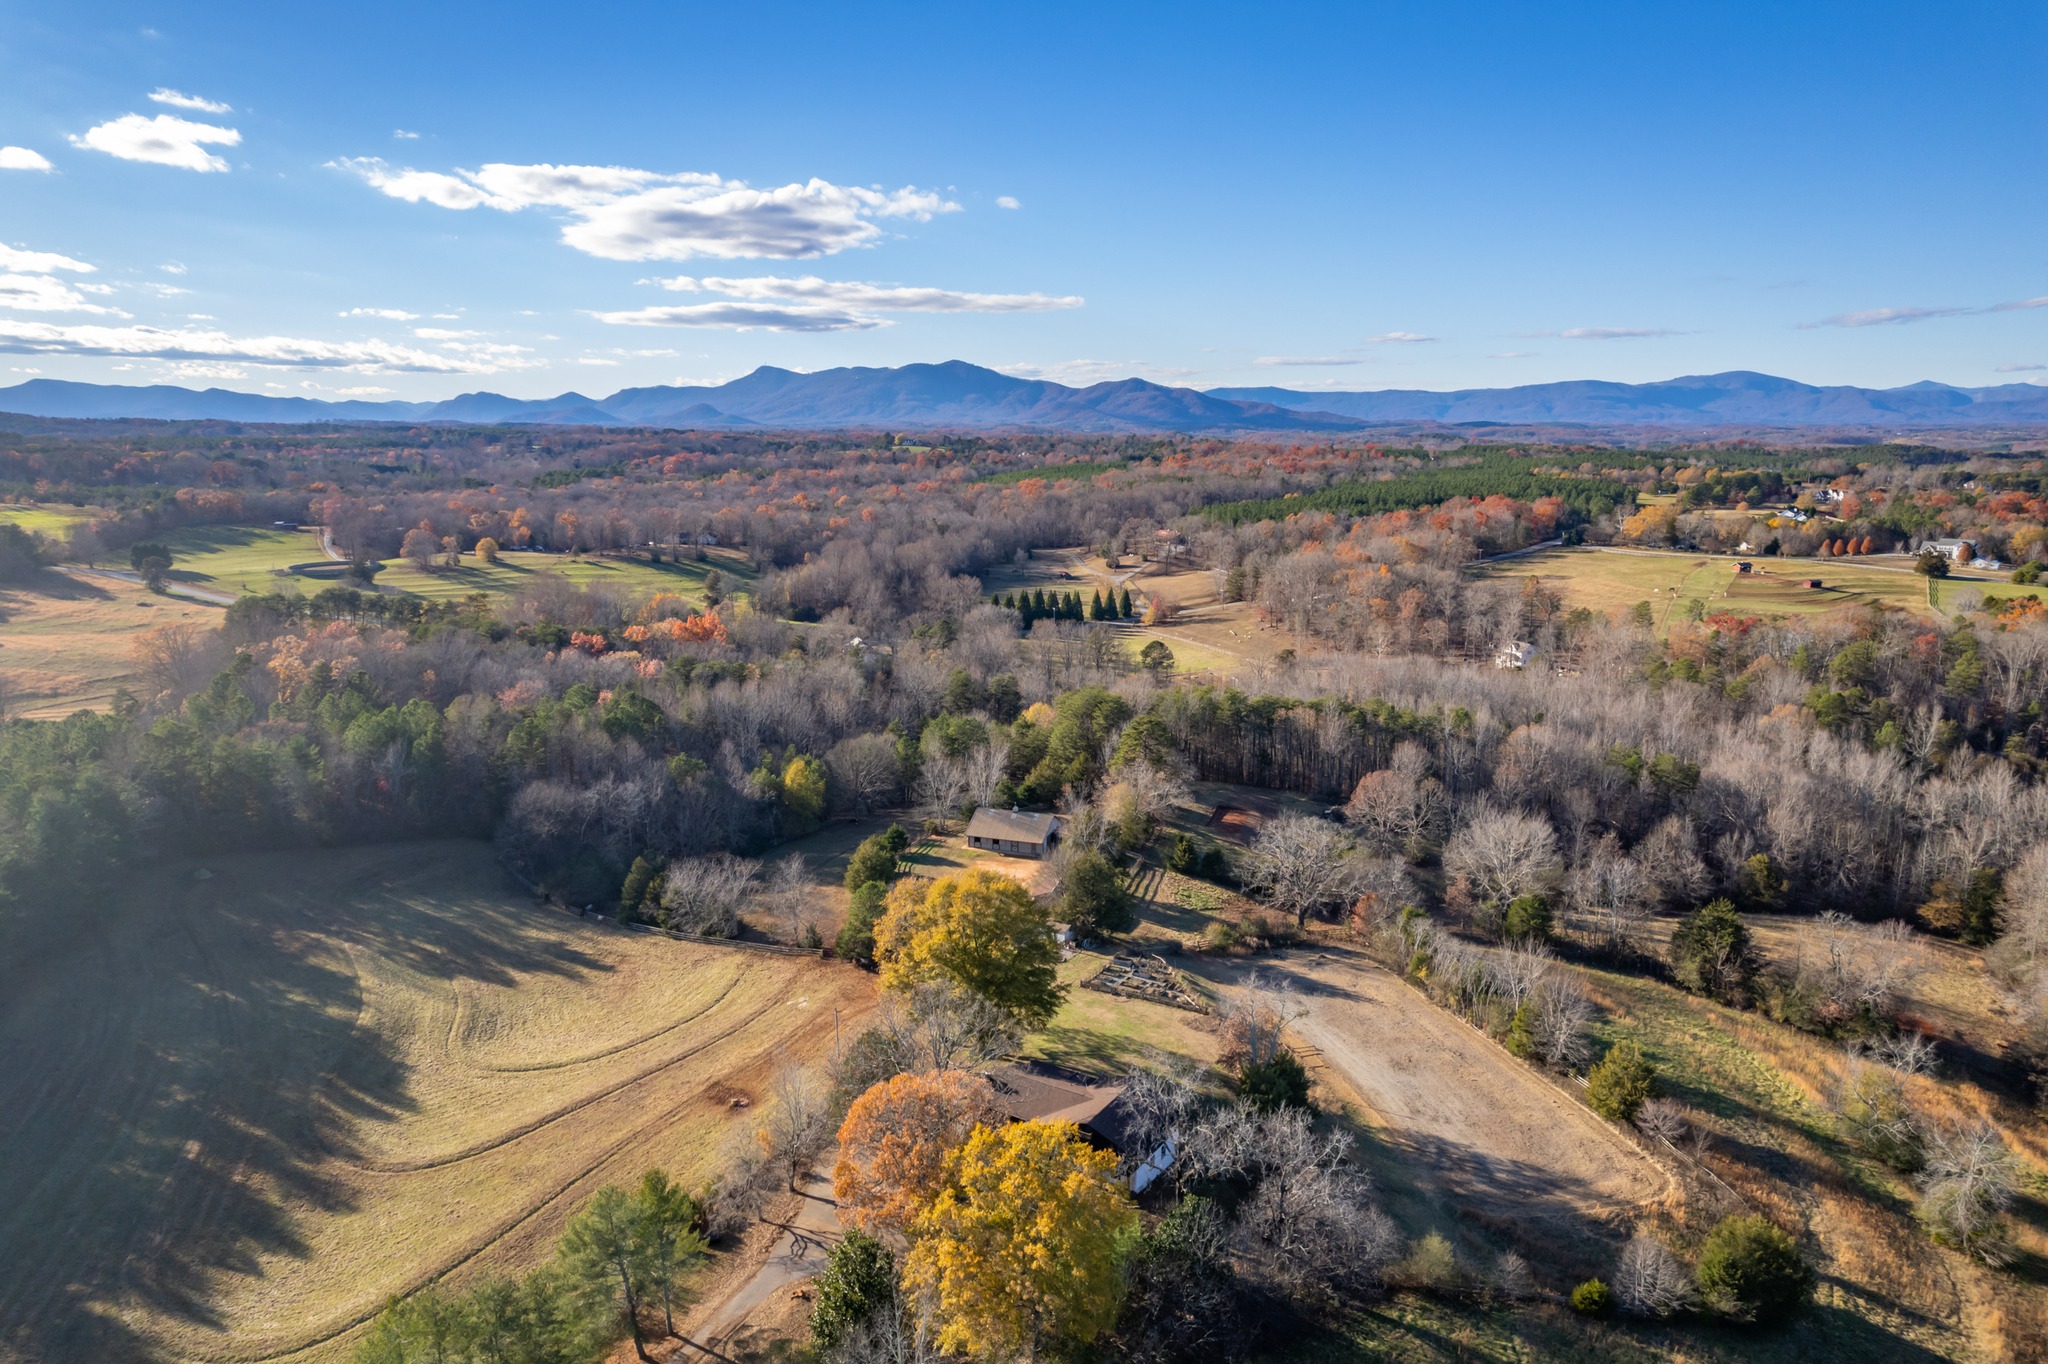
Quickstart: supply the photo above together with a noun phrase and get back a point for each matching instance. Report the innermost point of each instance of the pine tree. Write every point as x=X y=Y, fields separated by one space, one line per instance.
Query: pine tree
x=1095 y=606
x=1123 y=609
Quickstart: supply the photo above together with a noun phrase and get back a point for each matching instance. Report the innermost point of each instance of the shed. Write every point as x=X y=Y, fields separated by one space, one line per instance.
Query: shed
x=1013 y=832
x=1813 y=582
x=1744 y=566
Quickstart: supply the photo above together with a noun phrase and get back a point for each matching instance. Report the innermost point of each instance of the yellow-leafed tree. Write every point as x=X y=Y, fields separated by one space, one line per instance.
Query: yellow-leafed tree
x=979 y=930
x=896 y=1140
x=1025 y=1245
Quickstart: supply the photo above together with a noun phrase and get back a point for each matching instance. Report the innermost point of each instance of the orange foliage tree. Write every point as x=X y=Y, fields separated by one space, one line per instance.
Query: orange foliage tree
x=896 y=1139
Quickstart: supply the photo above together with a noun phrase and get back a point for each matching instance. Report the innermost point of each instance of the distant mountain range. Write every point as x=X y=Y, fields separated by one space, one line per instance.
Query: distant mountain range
x=958 y=395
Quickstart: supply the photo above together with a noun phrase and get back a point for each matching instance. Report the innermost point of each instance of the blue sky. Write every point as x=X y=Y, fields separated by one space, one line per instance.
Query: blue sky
x=532 y=198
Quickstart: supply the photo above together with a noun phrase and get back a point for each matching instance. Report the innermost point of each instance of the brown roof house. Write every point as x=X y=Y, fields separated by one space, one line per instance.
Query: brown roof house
x=1013 y=832
x=1032 y=1091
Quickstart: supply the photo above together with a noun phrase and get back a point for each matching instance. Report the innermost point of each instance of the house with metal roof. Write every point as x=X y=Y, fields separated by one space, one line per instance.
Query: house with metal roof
x=1013 y=832
x=1033 y=1091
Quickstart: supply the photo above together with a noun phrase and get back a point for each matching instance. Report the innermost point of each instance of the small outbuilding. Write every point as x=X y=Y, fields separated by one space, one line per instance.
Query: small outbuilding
x=1813 y=582
x=1013 y=832
x=1744 y=566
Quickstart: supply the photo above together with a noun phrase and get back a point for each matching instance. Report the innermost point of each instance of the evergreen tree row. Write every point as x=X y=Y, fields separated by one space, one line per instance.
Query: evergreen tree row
x=1039 y=604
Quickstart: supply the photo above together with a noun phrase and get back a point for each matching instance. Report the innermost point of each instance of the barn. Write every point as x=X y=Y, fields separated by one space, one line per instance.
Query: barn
x=1013 y=832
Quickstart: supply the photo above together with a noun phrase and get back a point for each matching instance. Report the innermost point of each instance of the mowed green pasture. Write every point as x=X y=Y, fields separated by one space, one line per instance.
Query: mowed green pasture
x=52 y=521
x=515 y=570
x=251 y=561
x=1609 y=581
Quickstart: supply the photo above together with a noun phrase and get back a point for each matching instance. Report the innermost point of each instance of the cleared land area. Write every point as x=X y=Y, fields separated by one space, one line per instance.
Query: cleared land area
x=1463 y=1114
x=1611 y=579
x=249 y=1106
x=67 y=639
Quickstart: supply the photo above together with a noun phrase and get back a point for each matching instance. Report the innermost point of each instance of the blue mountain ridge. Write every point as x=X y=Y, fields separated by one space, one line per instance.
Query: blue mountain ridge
x=956 y=394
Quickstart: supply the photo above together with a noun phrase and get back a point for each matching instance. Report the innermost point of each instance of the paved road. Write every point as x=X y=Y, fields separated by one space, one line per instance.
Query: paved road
x=797 y=1254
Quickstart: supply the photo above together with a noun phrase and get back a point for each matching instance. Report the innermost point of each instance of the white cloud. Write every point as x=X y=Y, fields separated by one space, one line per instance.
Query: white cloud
x=2018 y=305
x=46 y=294
x=178 y=100
x=21 y=158
x=453 y=317
x=378 y=357
x=362 y=391
x=403 y=136
x=1306 y=361
x=206 y=369
x=620 y=213
x=1397 y=338
x=595 y=360
x=811 y=290
x=442 y=334
x=1007 y=201
x=2018 y=369
x=39 y=262
x=388 y=314
x=1081 y=373
x=172 y=267
x=150 y=286
x=1603 y=333
x=163 y=140
x=1512 y=355
x=744 y=317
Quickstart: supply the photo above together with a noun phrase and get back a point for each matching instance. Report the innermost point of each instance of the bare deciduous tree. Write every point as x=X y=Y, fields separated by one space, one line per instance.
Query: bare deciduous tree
x=799 y=1124
x=1501 y=854
x=1649 y=1280
x=790 y=895
x=1661 y=1119
x=1402 y=806
x=1254 y=1018
x=865 y=769
x=1301 y=866
x=704 y=894
x=1970 y=1180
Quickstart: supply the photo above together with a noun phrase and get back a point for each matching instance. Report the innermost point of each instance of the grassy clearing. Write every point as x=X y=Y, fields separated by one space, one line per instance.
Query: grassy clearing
x=311 y=1080
x=241 y=559
x=52 y=521
x=66 y=640
x=515 y=571
x=1609 y=581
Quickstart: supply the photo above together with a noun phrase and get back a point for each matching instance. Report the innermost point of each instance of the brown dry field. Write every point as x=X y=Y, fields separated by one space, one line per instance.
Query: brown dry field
x=65 y=642
x=247 y=1109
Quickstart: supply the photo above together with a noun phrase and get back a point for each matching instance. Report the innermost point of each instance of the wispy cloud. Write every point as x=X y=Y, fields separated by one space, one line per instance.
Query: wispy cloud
x=163 y=141
x=736 y=316
x=371 y=357
x=1397 y=338
x=388 y=314
x=1882 y=317
x=1604 y=333
x=403 y=136
x=621 y=213
x=1310 y=361
x=442 y=334
x=2018 y=369
x=172 y=267
x=813 y=291
x=1081 y=373
x=1007 y=201
x=179 y=100
x=22 y=159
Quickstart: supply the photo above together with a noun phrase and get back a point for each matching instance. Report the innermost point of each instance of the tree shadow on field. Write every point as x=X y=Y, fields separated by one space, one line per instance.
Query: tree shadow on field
x=188 y=1059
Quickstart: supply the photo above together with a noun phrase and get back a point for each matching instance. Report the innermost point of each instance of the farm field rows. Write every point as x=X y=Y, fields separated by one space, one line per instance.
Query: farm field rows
x=275 y=1089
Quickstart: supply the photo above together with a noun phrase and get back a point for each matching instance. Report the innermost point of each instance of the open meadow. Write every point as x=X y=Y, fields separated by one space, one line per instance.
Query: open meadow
x=272 y=1090
x=1610 y=580
x=67 y=638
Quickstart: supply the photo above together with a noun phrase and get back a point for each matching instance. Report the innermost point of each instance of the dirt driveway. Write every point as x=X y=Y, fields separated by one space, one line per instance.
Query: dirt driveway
x=1463 y=1114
